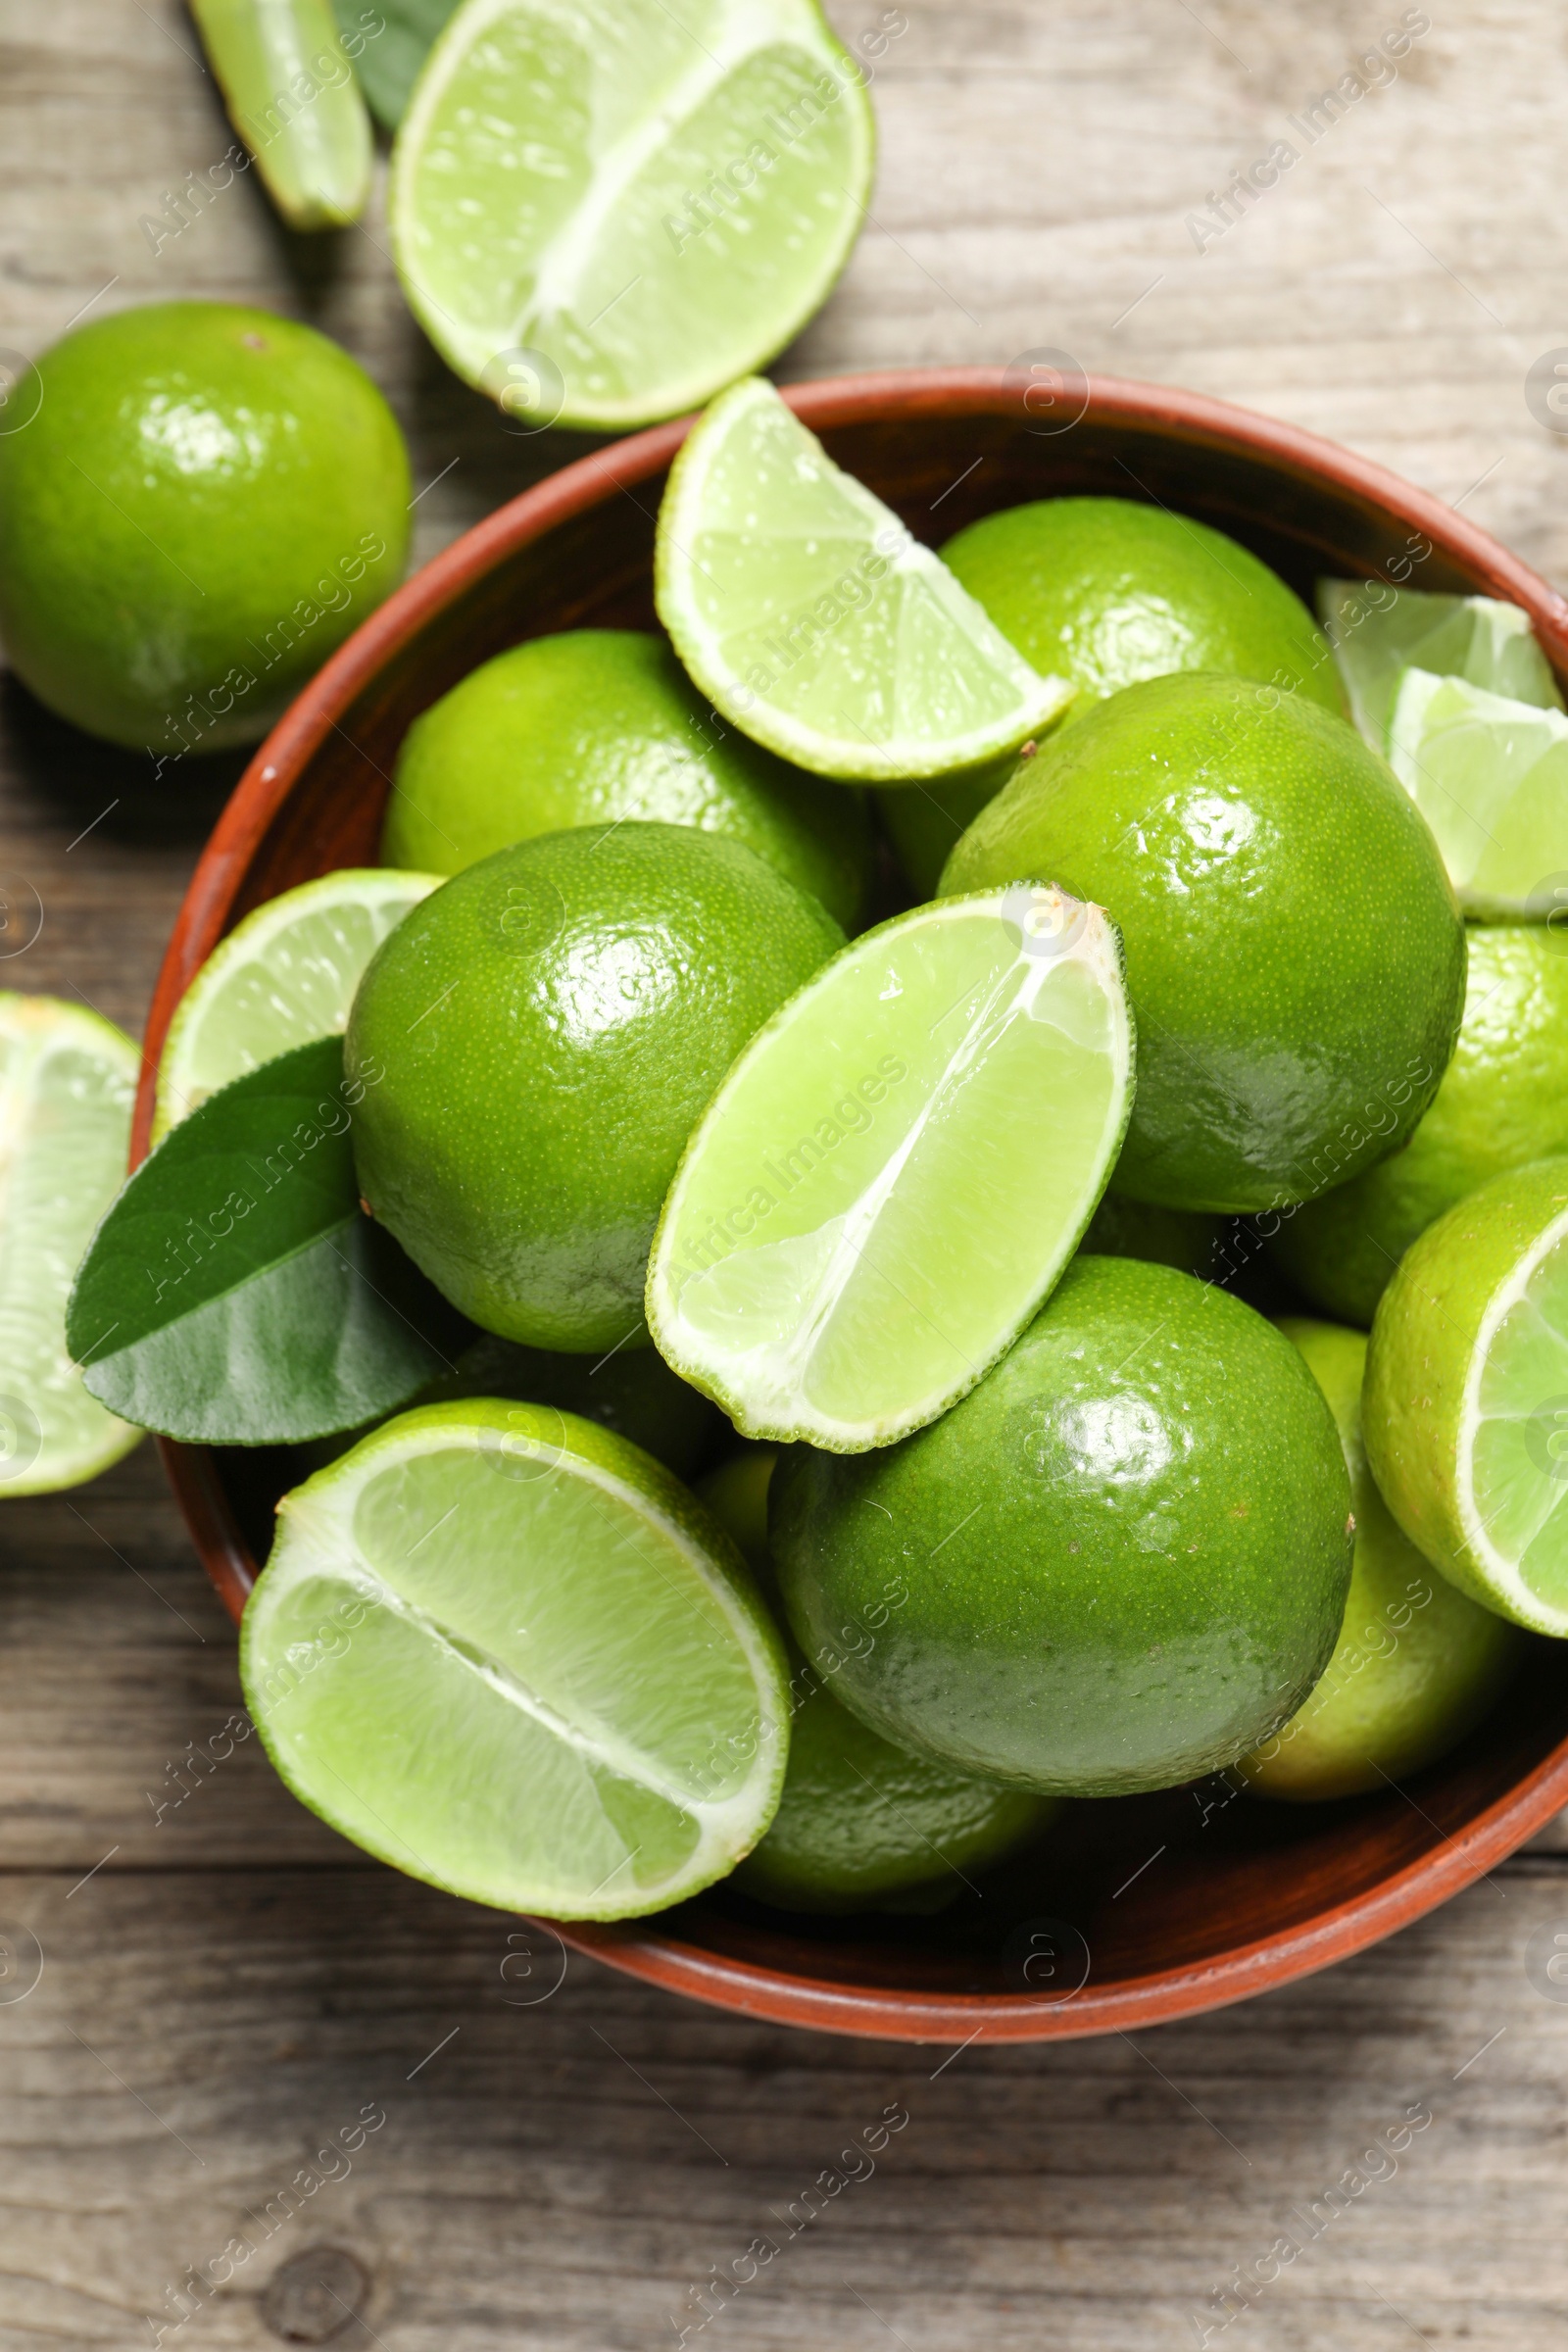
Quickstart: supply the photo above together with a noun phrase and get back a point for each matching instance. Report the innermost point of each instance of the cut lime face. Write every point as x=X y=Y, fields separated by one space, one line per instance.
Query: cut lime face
x=1378 y=633
x=1489 y=775
x=508 y=1653
x=1465 y=1404
x=897 y=1169
x=803 y=608
x=292 y=97
x=66 y=1084
x=1513 y=1449
x=284 y=976
x=601 y=215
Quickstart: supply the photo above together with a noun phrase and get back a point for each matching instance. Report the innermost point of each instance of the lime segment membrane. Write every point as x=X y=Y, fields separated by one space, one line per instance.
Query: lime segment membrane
x=1490 y=774
x=602 y=214
x=66 y=1084
x=508 y=1653
x=804 y=610
x=284 y=976
x=897 y=1169
x=1378 y=633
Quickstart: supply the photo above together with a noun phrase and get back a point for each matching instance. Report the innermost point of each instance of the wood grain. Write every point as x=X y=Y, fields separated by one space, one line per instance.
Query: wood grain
x=566 y=2174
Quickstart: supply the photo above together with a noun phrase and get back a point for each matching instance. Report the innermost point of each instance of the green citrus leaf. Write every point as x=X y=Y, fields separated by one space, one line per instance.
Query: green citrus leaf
x=393 y=40
x=235 y=1293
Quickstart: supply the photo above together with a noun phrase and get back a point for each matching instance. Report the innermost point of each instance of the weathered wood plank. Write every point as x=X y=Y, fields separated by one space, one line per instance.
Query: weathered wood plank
x=242 y=1972
x=569 y=2173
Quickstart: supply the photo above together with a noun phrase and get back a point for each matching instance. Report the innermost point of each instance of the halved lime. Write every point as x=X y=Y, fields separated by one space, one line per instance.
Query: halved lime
x=808 y=615
x=897 y=1169
x=504 y=1650
x=291 y=95
x=1465 y=1410
x=67 y=1083
x=1378 y=633
x=602 y=214
x=1417 y=1662
x=1490 y=774
x=284 y=975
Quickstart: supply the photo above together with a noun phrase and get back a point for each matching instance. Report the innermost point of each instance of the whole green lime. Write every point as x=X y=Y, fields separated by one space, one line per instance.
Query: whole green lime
x=925 y=823
x=1294 y=954
x=208 y=500
x=1108 y=592
x=597 y=726
x=536 y=1041
x=1503 y=1102
x=1172 y=1237
x=1416 y=1664
x=860 y=1821
x=633 y=1393
x=1121 y=1560
x=735 y=1490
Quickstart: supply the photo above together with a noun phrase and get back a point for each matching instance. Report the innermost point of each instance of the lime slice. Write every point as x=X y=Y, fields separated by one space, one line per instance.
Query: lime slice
x=602 y=214
x=292 y=96
x=1378 y=633
x=1465 y=1410
x=806 y=612
x=1490 y=777
x=67 y=1082
x=506 y=1652
x=896 y=1170
x=284 y=976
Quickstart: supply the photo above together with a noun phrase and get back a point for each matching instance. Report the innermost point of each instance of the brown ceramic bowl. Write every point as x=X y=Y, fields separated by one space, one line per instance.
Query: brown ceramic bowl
x=1138 y=1910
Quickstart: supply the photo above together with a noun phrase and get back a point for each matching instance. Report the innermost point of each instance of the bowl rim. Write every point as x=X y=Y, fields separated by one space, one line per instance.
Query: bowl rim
x=636 y=1948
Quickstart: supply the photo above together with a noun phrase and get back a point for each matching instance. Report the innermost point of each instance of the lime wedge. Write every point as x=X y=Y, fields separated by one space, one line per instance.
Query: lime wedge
x=1378 y=633
x=897 y=1169
x=291 y=95
x=1490 y=777
x=67 y=1082
x=1465 y=1409
x=602 y=214
x=506 y=1652
x=284 y=975
x=806 y=612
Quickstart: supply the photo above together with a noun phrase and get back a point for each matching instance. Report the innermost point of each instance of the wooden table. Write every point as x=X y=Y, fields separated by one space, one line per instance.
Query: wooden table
x=224 y=1983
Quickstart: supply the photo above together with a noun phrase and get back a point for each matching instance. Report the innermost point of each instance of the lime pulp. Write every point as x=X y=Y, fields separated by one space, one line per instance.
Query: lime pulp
x=67 y=1083
x=806 y=609
x=897 y=1169
x=504 y=1651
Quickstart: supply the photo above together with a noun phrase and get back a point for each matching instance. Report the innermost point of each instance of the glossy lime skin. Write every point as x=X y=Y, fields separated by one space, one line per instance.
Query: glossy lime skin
x=1108 y=592
x=208 y=500
x=597 y=726
x=1118 y=1562
x=537 y=1039
x=1295 y=956
x=1418 y=1664
x=1503 y=1102
x=859 y=1819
